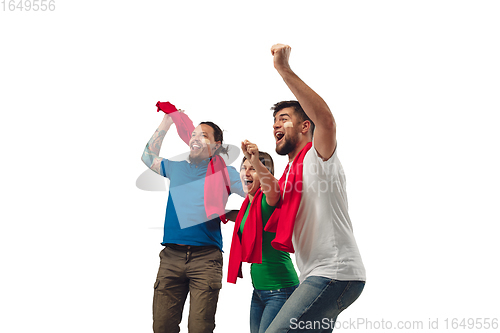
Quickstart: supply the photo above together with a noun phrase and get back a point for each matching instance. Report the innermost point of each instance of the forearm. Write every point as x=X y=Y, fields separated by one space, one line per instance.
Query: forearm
x=317 y=110
x=150 y=155
x=268 y=183
x=152 y=149
x=314 y=106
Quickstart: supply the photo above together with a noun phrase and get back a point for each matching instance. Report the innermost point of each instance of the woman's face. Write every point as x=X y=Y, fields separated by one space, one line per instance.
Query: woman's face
x=249 y=178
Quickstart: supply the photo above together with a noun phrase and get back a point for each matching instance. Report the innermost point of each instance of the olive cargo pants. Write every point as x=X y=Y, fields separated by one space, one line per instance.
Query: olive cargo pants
x=196 y=270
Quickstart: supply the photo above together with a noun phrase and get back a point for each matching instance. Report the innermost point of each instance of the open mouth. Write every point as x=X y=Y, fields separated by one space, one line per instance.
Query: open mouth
x=248 y=181
x=279 y=136
x=196 y=146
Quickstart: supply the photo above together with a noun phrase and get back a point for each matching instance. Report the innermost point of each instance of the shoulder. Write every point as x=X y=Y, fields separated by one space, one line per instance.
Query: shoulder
x=315 y=165
x=234 y=178
x=233 y=172
x=312 y=156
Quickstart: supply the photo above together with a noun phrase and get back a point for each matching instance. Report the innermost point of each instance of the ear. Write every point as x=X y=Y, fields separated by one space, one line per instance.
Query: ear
x=305 y=127
x=217 y=145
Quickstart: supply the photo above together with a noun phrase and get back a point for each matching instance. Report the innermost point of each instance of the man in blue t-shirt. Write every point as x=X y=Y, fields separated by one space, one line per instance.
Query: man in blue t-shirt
x=191 y=261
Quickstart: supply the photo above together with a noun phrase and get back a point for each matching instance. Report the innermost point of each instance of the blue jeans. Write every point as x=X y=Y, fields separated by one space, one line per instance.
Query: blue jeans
x=315 y=305
x=265 y=305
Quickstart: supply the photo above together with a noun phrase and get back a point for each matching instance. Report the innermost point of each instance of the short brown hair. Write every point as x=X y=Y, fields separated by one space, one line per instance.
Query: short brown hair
x=296 y=107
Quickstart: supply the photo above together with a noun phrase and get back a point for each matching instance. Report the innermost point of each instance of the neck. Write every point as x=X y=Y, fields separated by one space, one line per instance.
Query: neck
x=196 y=160
x=250 y=197
x=298 y=148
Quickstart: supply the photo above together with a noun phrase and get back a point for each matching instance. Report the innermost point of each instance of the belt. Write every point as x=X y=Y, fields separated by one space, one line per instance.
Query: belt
x=192 y=248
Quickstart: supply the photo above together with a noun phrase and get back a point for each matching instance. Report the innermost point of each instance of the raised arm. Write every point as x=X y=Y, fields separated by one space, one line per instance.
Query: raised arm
x=268 y=183
x=150 y=155
x=314 y=106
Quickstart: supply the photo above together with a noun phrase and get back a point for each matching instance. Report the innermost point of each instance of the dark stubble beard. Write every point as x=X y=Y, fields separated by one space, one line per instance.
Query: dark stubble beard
x=195 y=159
x=288 y=146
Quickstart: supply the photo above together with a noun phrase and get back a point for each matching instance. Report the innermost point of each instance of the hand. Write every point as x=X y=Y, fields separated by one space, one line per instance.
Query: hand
x=251 y=152
x=281 y=54
x=167 y=121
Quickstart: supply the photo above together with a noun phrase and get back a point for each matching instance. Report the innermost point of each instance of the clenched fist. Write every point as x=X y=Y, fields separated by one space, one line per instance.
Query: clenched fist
x=251 y=152
x=281 y=54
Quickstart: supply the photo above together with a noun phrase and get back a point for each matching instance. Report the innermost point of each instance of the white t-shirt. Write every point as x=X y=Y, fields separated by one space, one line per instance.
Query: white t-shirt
x=323 y=238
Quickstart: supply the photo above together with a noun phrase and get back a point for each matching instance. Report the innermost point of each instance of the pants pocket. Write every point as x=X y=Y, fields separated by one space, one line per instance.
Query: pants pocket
x=213 y=297
x=351 y=293
x=215 y=285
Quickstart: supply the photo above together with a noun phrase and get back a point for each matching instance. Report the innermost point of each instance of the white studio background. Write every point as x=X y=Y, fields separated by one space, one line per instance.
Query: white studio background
x=413 y=85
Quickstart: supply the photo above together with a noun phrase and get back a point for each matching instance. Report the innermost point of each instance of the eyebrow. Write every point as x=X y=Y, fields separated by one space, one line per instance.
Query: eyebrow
x=282 y=115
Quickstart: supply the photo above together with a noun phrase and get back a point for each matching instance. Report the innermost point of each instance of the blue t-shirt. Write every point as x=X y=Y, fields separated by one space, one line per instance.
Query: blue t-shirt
x=186 y=221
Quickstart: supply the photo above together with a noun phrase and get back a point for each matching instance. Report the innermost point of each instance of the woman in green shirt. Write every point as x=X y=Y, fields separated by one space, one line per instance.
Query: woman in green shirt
x=275 y=278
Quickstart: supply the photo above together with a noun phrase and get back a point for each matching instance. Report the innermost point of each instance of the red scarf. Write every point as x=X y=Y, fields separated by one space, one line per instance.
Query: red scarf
x=282 y=220
x=182 y=122
x=216 y=178
x=246 y=246
x=216 y=182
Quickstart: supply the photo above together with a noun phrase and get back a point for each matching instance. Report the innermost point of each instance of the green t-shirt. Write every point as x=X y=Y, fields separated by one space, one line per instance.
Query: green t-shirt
x=276 y=270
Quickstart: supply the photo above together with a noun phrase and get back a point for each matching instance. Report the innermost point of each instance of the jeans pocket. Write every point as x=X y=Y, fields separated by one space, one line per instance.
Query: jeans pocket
x=290 y=290
x=351 y=293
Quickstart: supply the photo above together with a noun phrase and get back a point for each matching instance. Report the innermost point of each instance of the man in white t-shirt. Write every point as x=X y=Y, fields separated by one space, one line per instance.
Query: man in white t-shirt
x=332 y=274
